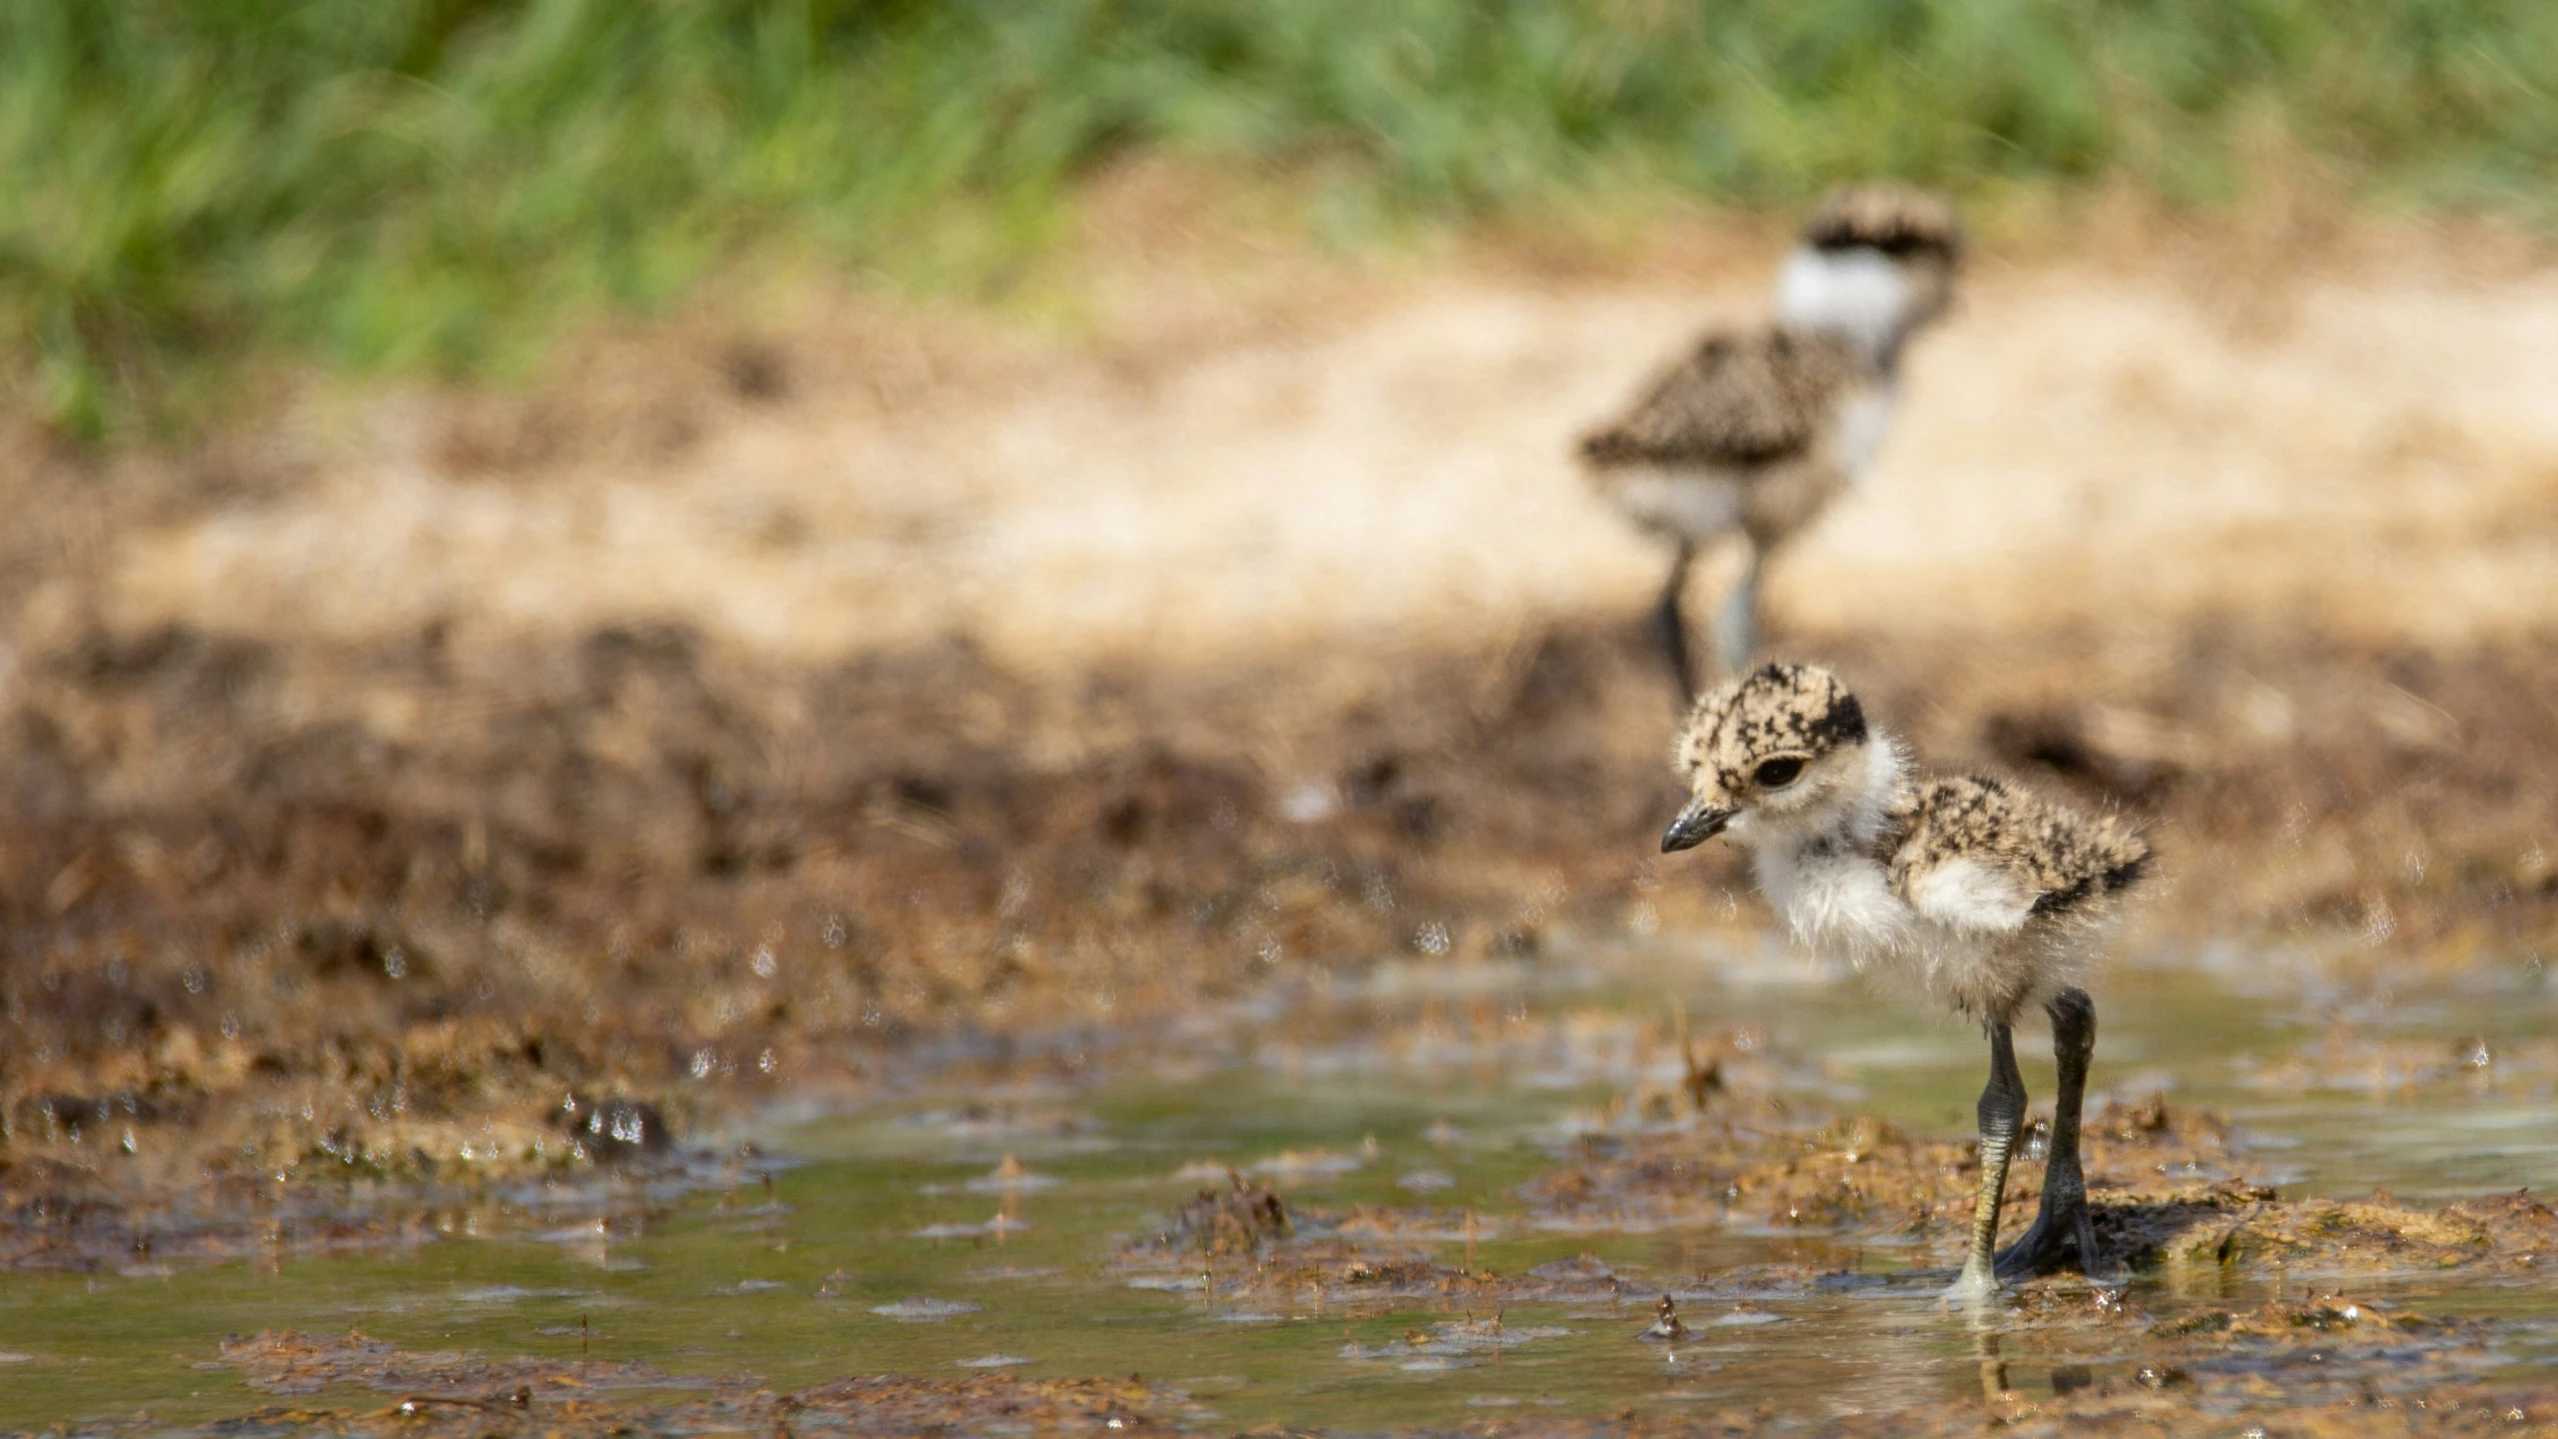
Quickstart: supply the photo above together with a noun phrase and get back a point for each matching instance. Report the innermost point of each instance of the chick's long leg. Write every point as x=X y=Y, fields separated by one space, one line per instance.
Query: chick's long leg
x=2062 y=1221
x=1736 y=619
x=1671 y=620
x=2002 y=1108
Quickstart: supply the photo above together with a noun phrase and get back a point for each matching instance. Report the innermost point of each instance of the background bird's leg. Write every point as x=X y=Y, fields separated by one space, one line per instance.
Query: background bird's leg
x=2002 y=1109
x=1736 y=619
x=2063 y=1219
x=1671 y=618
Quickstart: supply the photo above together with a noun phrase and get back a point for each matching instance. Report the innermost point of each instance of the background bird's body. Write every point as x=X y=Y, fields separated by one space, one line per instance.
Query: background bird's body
x=1753 y=433
x=1985 y=897
x=1756 y=431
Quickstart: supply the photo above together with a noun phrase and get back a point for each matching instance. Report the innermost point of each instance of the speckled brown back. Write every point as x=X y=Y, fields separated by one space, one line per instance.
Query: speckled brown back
x=2067 y=860
x=1742 y=397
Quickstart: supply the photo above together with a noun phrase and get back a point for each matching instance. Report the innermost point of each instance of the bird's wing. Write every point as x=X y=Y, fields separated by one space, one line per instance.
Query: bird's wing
x=1978 y=854
x=1739 y=397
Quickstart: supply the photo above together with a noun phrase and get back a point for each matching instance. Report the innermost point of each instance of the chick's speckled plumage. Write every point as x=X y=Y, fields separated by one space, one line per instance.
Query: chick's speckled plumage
x=1755 y=431
x=1777 y=710
x=1742 y=398
x=1988 y=894
x=2064 y=860
x=1758 y=428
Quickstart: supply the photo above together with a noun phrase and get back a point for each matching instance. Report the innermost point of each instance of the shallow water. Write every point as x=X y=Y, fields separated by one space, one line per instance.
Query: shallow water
x=898 y=1239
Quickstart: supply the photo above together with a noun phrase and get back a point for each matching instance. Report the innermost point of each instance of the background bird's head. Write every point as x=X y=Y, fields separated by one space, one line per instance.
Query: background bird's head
x=1782 y=747
x=1875 y=262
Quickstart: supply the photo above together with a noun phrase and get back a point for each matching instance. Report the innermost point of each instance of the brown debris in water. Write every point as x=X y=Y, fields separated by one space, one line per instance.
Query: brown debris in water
x=1854 y=1174
x=458 y=1395
x=2311 y=1321
x=284 y=1362
x=2160 y=1179
x=2148 y=1399
x=2158 y=1174
x=2102 y=1407
x=1239 y=1219
x=2335 y=1342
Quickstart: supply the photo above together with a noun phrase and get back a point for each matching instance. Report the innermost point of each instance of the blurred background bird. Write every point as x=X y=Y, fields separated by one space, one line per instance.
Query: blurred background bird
x=1758 y=429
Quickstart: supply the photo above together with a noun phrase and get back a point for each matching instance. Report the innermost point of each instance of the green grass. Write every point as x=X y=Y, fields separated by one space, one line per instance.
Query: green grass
x=437 y=185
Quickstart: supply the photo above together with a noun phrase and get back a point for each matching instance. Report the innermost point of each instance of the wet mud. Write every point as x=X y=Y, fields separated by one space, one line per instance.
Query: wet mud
x=252 y=927
x=2310 y=1362
x=2115 y=1410
x=282 y=989
x=2168 y=1200
x=2243 y=1302
x=446 y=1393
x=2164 y=1190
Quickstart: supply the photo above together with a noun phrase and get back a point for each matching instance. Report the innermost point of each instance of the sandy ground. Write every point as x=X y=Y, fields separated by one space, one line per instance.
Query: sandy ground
x=1226 y=454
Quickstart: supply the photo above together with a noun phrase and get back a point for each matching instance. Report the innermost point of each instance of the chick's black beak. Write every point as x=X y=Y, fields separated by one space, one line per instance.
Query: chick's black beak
x=1696 y=824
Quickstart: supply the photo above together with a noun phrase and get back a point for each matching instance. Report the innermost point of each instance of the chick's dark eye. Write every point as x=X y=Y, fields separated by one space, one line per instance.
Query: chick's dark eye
x=1778 y=773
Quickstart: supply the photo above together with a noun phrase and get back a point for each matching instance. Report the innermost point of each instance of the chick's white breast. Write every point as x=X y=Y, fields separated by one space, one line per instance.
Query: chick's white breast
x=1690 y=501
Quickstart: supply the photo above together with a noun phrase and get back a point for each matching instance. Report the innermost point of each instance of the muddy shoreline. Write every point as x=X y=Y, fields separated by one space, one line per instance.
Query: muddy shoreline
x=412 y=914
